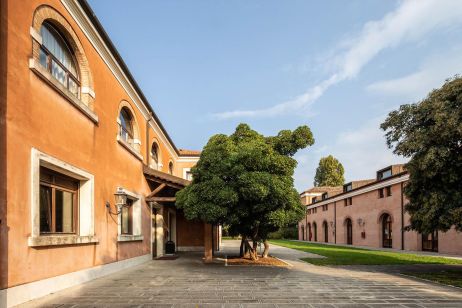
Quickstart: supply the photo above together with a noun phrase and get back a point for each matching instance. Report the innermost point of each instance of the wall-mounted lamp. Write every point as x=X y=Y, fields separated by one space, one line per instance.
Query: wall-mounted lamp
x=120 y=197
x=120 y=201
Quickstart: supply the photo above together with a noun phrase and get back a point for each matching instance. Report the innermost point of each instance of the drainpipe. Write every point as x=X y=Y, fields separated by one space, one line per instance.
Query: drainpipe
x=335 y=222
x=402 y=217
x=147 y=139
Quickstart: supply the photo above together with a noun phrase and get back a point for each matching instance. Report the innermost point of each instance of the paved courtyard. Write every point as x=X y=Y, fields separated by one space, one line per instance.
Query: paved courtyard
x=187 y=282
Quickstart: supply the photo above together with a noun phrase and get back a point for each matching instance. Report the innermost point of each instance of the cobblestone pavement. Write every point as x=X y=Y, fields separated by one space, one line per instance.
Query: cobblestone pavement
x=187 y=282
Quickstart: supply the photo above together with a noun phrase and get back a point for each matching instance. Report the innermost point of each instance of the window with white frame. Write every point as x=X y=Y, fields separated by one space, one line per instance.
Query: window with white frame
x=129 y=228
x=62 y=202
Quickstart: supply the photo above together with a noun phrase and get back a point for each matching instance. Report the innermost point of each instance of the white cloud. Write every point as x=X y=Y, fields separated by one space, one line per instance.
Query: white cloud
x=411 y=21
x=362 y=151
x=432 y=74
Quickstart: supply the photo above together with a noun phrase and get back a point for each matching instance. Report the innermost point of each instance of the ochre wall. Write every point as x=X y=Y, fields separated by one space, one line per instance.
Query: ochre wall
x=39 y=117
x=189 y=233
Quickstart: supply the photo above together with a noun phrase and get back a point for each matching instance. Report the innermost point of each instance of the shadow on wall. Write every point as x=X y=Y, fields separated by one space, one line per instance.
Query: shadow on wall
x=3 y=178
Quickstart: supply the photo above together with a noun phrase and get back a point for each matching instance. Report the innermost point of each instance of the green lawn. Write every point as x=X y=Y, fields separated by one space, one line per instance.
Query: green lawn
x=344 y=255
x=453 y=278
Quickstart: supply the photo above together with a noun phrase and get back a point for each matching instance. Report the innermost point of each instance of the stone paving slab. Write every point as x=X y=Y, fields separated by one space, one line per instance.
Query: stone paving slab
x=187 y=282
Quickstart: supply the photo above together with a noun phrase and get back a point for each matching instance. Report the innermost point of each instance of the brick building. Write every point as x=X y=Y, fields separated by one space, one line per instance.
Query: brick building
x=88 y=172
x=369 y=213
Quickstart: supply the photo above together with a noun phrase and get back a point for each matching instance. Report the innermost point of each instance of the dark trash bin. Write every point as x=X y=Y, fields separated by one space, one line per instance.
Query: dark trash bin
x=170 y=248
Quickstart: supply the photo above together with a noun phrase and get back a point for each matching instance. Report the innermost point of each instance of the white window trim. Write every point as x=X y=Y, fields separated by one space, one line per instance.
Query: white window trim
x=136 y=216
x=185 y=172
x=129 y=147
x=86 y=232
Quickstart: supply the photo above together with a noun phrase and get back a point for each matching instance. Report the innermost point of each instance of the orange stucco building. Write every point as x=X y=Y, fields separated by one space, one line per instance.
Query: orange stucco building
x=88 y=172
x=369 y=213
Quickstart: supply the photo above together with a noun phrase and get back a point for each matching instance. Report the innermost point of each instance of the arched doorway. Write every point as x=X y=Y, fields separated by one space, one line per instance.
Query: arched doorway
x=303 y=232
x=387 y=231
x=315 y=231
x=308 y=232
x=325 y=228
x=349 y=231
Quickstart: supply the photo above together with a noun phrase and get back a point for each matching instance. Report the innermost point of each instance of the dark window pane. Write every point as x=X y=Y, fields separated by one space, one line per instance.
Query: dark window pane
x=45 y=209
x=64 y=211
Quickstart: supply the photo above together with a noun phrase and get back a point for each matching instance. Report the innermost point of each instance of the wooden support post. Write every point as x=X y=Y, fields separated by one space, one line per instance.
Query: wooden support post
x=208 y=245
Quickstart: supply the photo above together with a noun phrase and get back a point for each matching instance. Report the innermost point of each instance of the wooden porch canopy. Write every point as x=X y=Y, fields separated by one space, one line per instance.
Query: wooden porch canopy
x=164 y=186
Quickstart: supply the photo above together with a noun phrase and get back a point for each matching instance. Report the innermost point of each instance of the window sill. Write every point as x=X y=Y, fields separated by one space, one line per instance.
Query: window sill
x=48 y=78
x=57 y=240
x=129 y=238
x=129 y=148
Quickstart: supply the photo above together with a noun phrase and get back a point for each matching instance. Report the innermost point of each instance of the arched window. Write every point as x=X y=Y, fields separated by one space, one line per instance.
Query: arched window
x=57 y=57
x=349 y=231
x=387 y=231
x=325 y=228
x=170 y=167
x=155 y=156
x=126 y=125
x=315 y=232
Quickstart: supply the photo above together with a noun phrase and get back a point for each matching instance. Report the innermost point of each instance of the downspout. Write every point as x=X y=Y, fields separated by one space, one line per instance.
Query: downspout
x=402 y=217
x=335 y=222
x=306 y=235
x=147 y=140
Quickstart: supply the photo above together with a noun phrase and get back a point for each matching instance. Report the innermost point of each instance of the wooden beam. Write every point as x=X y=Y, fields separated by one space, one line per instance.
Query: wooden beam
x=157 y=190
x=163 y=199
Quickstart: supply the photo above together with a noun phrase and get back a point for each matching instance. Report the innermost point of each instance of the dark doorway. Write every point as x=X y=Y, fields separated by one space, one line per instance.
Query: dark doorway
x=386 y=231
x=349 y=231
x=315 y=231
x=308 y=230
x=326 y=231
x=430 y=242
x=303 y=233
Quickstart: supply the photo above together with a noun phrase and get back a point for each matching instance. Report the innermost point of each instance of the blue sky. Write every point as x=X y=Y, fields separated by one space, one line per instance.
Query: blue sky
x=337 y=66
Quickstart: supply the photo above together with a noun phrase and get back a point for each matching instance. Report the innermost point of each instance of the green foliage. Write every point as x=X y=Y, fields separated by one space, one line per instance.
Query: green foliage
x=330 y=172
x=430 y=134
x=290 y=233
x=347 y=255
x=245 y=181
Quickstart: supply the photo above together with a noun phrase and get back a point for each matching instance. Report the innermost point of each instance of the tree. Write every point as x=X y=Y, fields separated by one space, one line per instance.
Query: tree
x=329 y=172
x=430 y=134
x=245 y=181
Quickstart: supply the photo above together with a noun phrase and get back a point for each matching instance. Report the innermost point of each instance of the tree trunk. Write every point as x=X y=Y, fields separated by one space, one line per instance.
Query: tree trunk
x=266 y=250
x=251 y=250
x=241 y=249
x=255 y=249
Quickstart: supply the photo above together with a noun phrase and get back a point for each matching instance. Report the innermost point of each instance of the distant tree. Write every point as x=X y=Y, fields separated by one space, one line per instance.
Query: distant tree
x=330 y=172
x=430 y=134
x=245 y=181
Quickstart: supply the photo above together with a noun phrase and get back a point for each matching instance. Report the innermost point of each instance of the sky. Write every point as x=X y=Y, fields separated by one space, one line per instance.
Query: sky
x=337 y=66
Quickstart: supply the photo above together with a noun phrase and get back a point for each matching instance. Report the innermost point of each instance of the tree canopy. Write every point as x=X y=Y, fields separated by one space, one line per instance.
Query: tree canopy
x=430 y=134
x=245 y=181
x=330 y=172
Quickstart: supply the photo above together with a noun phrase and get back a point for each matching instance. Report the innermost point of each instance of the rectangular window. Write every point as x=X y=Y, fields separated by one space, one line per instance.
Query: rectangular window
x=384 y=174
x=127 y=218
x=347 y=187
x=350 y=201
x=189 y=175
x=388 y=189
x=58 y=202
x=314 y=200
x=325 y=207
x=345 y=202
x=380 y=191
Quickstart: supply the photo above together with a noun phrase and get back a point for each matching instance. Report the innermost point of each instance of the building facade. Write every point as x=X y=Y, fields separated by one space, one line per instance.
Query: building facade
x=88 y=172
x=369 y=213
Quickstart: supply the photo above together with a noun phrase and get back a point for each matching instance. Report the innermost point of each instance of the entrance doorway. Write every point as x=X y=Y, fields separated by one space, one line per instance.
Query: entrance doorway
x=349 y=231
x=326 y=231
x=430 y=242
x=387 y=231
